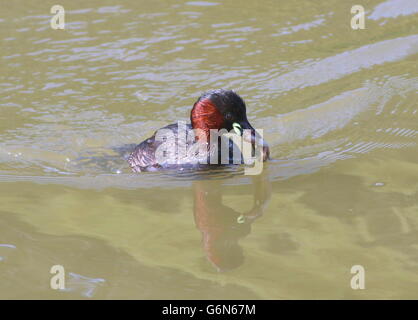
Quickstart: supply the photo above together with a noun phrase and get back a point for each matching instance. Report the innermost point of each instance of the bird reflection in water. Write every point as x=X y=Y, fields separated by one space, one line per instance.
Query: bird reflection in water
x=222 y=226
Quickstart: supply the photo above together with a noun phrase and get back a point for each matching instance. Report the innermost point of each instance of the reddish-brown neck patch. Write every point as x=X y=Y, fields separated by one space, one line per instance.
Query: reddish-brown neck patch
x=206 y=116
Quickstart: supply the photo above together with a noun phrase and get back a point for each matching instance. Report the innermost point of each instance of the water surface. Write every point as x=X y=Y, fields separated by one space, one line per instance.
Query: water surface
x=337 y=106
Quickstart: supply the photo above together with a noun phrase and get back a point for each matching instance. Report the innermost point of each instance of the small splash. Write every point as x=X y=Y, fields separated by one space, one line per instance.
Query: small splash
x=379 y=184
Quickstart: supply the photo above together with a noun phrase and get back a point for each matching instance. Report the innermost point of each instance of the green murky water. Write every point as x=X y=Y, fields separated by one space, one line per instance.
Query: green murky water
x=337 y=106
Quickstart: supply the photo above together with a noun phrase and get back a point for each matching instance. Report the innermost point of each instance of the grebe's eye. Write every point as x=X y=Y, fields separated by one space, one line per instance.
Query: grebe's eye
x=228 y=116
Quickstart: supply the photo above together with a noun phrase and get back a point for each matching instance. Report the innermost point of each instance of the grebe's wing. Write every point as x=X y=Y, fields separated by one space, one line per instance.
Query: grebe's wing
x=143 y=157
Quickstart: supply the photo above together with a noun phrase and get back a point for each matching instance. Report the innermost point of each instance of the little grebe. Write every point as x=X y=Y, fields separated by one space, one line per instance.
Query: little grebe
x=214 y=110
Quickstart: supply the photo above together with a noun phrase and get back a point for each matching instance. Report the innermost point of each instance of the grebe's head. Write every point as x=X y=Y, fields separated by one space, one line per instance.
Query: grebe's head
x=222 y=109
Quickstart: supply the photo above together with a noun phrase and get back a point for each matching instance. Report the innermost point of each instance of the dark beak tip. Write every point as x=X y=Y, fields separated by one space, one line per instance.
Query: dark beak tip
x=266 y=153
